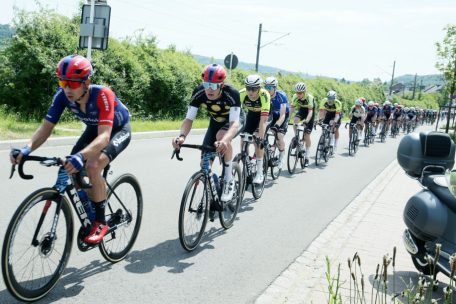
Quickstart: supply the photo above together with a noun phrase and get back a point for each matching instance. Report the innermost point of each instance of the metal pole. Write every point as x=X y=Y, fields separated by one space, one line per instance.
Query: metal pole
x=392 y=77
x=414 y=88
x=89 y=42
x=231 y=63
x=258 y=48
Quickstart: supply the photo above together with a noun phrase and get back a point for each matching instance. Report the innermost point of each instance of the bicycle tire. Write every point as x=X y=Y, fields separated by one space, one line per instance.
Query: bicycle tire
x=231 y=208
x=350 y=144
x=244 y=184
x=61 y=245
x=273 y=163
x=257 y=189
x=320 y=150
x=200 y=209
x=292 y=156
x=128 y=228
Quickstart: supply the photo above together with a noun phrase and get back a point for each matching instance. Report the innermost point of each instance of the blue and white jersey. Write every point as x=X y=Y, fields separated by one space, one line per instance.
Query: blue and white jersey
x=277 y=101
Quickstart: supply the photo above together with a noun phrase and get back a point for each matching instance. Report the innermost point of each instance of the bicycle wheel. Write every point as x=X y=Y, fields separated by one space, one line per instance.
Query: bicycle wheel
x=257 y=189
x=320 y=150
x=243 y=186
x=193 y=212
x=31 y=269
x=355 y=142
x=274 y=162
x=350 y=144
x=230 y=209
x=292 y=158
x=124 y=215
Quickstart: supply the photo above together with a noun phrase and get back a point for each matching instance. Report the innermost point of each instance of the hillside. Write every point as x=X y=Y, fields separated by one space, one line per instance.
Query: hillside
x=428 y=80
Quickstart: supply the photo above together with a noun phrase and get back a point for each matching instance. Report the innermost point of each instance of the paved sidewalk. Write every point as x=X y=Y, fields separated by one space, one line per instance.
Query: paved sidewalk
x=371 y=225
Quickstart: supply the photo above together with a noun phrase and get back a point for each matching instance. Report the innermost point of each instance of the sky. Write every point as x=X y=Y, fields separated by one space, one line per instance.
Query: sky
x=349 y=39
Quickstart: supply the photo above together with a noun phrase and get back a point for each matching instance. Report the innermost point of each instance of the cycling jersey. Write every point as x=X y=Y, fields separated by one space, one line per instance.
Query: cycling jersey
x=387 y=110
x=370 y=113
x=219 y=109
x=304 y=105
x=277 y=101
x=357 y=112
x=102 y=108
x=261 y=106
x=335 y=107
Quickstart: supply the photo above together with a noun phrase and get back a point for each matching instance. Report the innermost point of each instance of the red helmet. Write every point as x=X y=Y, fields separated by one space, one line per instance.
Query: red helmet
x=74 y=67
x=213 y=73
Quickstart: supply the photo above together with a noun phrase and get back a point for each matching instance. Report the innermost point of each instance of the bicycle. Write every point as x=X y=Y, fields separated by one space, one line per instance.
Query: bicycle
x=201 y=198
x=324 y=147
x=368 y=134
x=394 y=128
x=273 y=154
x=37 y=243
x=354 y=139
x=296 y=149
x=249 y=166
x=383 y=130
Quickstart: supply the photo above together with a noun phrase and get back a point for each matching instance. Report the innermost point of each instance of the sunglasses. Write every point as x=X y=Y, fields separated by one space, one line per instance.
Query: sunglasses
x=70 y=83
x=211 y=85
x=269 y=87
x=252 y=89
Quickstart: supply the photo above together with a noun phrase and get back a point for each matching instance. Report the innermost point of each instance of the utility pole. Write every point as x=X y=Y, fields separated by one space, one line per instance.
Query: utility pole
x=421 y=86
x=258 y=48
x=392 y=77
x=414 y=88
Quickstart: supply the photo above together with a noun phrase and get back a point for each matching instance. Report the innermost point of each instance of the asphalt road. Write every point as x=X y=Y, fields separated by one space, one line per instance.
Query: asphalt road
x=232 y=266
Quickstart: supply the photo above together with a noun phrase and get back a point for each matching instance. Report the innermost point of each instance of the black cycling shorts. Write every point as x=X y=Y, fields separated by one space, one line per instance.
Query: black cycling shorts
x=211 y=134
x=330 y=116
x=120 y=138
x=284 y=126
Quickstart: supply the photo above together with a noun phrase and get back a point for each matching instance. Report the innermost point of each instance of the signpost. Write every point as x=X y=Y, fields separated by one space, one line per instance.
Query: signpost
x=94 y=28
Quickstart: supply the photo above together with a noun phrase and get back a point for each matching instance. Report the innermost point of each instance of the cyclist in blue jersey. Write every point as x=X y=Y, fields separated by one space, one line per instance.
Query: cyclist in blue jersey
x=371 y=114
x=107 y=134
x=385 y=115
x=279 y=114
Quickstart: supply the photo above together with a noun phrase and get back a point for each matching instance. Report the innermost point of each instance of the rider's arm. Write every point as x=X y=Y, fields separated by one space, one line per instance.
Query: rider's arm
x=41 y=135
x=283 y=111
x=234 y=124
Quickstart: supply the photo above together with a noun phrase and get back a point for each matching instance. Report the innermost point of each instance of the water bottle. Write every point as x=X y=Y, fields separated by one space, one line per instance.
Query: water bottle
x=62 y=180
x=217 y=183
x=88 y=206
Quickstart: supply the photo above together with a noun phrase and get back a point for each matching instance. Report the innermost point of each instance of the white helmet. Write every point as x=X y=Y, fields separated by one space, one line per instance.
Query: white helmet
x=359 y=102
x=406 y=109
x=332 y=95
x=396 y=104
x=387 y=103
x=371 y=103
x=271 y=81
x=300 y=87
x=253 y=81
x=412 y=108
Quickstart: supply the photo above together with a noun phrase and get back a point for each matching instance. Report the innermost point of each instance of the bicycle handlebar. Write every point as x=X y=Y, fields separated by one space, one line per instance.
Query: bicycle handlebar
x=203 y=148
x=48 y=162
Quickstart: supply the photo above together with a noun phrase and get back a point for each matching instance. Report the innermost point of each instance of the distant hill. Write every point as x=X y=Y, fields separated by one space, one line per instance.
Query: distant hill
x=428 y=80
x=250 y=66
x=6 y=32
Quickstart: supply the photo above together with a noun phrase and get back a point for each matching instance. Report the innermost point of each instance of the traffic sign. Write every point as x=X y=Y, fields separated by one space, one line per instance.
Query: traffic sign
x=231 y=61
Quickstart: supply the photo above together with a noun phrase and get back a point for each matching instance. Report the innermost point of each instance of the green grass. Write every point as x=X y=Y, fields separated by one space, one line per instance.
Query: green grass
x=13 y=127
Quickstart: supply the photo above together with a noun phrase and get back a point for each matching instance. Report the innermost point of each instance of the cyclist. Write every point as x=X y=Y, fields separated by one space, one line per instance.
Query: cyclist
x=280 y=111
x=224 y=108
x=357 y=114
x=258 y=103
x=371 y=114
x=385 y=114
x=305 y=105
x=397 y=115
x=330 y=113
x=107 y=133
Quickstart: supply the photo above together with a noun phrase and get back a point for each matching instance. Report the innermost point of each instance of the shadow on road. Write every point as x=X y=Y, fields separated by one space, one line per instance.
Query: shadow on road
x=169 y=254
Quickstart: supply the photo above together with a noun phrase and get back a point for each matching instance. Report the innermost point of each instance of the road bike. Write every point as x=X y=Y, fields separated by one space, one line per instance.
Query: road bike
x=296 y=149
x=39 y=237
x=272 y=153
x=353 y=143
x=368 y=134
x=247 y=163
x=325 y=144
x=201 y=198
x=394 y=128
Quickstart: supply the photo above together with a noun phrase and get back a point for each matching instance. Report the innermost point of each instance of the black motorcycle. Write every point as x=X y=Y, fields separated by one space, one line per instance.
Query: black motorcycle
x=430 y=214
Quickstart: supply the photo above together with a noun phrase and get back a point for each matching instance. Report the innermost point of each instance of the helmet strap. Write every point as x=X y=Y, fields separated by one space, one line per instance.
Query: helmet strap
x=83 y=94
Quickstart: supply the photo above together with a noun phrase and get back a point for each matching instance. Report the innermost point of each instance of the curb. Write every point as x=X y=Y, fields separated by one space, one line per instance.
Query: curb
x=296 y=283
x=70 y=140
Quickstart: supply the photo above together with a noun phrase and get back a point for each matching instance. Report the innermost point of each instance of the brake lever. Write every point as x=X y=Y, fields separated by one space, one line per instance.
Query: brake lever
x=176 y=153
x=13 y=168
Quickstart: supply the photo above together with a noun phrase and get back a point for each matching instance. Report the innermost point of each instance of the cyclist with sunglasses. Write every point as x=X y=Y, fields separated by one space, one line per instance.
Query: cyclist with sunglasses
x=107 y=131
x=258 y=103
x=305 y=105
x=331 y=113
x=280 y=111
x=223 y=105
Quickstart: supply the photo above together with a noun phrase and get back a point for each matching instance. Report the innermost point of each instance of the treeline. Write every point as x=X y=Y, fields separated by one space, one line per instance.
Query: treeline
x=154 y=83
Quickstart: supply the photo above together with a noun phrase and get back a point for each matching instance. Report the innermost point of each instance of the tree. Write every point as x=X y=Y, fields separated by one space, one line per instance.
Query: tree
x=446 y=52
